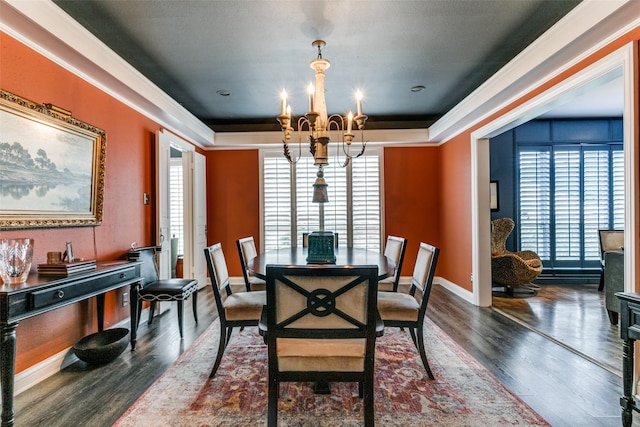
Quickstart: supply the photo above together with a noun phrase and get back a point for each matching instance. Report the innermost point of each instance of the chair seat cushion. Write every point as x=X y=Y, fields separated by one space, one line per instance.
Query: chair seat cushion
x=397 y=306
x=169 y=290
x=257 y=284
x=245 y=305
x=321 y=355
x=385 y=284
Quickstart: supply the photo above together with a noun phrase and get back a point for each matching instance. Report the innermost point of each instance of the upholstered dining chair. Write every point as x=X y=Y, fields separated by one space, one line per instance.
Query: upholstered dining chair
x=394 y=249
x=247 y=251
x=407 y=310
x=154 y=290
x=610 y=240
x=320 y=324
x=234 y=309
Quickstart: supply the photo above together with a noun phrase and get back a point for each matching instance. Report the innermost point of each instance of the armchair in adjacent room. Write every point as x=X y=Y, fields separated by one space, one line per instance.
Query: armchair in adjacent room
x=512 y=270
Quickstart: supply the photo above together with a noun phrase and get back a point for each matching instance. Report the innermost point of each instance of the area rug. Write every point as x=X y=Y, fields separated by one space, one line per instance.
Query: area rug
x=463 y=393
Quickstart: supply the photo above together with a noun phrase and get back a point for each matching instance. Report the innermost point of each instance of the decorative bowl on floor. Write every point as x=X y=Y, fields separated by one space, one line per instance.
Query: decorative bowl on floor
x=102 y=347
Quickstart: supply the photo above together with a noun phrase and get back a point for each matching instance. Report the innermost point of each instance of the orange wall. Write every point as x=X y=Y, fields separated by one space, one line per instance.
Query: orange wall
x=412 y=198
x=233 y=201
x=128 y=173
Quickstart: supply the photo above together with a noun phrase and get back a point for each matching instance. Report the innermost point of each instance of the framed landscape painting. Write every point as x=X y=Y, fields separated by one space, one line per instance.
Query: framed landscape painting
x=51 y=166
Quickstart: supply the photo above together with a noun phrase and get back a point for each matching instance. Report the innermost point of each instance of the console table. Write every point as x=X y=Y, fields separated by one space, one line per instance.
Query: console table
x=45 y=293
x=629 y=332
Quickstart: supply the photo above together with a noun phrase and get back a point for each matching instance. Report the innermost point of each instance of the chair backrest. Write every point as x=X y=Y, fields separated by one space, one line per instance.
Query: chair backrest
x=423 y=273
x=218 y=273
x=246 y=251
x=500 y=230
x=321 y=302
x=148 y=268
x=394 y=250
x=610 y=240
x=305 y=240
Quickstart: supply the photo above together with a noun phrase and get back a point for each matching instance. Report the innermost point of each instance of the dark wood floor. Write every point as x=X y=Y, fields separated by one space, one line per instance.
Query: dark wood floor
x=564 y=388
x=573 y=315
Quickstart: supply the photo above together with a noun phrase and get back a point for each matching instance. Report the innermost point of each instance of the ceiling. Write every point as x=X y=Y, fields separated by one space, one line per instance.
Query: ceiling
x=194 y=50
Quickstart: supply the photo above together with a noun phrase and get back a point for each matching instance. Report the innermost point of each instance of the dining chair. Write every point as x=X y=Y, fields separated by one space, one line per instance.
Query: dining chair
x=234 y=309
x=403 y=310
x=154 y=290
x=247 y=251
x=394 y=250
x=320 y=324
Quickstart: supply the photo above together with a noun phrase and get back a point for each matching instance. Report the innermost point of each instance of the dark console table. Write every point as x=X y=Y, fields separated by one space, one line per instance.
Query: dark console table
x=45 y=293
x=629 y=332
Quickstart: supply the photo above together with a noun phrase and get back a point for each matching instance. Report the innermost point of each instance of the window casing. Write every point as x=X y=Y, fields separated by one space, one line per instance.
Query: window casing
x=354 y=210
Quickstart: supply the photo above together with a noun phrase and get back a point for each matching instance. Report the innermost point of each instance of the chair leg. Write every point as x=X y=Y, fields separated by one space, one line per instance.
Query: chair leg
x=601 y=285
x=194 y=303
x=152 y=309
x=229 y=331
x=221 y=346
x=367 y=404
x=180 y=315
x=613 y=317
x=272 y=403
x=423 y=355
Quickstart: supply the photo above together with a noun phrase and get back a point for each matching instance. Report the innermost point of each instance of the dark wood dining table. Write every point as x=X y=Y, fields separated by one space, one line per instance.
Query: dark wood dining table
x=344 y=256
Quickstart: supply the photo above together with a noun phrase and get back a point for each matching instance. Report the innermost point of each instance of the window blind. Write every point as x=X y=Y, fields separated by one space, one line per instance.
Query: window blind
x=353 y=210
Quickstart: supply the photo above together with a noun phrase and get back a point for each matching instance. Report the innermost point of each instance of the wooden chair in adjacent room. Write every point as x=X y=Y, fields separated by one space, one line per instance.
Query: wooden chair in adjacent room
x=394 y=250
x=320 y=324
x=402 y=310
x=247 y=251
x=234 y=309
x=156 y=290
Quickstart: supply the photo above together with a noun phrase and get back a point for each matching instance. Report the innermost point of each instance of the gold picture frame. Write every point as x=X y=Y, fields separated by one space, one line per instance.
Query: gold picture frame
x=51 y=166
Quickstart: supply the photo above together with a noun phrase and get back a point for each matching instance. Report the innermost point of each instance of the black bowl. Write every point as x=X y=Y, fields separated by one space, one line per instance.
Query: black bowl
x=102 y=347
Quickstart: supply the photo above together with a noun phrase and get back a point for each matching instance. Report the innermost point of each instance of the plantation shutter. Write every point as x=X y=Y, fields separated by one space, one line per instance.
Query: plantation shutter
x=366 y=202
x=567 y=205
x=596 y=200
x=276 y=213
x=617 y=207
x=535 y=202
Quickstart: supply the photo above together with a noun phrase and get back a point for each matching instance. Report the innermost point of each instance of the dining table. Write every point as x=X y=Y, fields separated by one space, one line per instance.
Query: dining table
x=344 y=257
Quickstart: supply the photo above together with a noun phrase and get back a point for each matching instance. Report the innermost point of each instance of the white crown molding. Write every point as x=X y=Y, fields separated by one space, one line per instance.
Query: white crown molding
x=590 y=26
x=253 y=140
x=44 y=27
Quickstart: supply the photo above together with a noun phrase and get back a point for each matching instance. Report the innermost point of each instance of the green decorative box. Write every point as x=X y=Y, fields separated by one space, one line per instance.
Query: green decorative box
x=321 y=248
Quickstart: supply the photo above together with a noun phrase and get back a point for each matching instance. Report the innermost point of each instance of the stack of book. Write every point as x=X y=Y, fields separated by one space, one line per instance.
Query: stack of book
x=66 y=268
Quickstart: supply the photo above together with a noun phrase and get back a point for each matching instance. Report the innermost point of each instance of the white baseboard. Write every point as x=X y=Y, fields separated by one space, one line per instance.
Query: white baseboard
x=457 y=290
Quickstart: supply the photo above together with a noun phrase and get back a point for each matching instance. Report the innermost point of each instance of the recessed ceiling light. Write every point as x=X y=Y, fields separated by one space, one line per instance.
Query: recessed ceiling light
x=417 y=88
x=223 y=93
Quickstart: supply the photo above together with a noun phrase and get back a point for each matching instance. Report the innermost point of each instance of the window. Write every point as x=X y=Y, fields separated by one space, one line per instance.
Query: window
x=568 y=193
x=176 y=202
x=353 y=210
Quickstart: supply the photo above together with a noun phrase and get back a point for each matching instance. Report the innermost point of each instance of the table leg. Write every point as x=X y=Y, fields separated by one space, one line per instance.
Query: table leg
x=627 y=401
x=133 y=307
x=100 y=307
x=7 y=371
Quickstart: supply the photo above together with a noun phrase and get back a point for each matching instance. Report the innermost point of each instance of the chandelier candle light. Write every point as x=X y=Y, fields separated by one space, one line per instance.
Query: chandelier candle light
x=320 y=126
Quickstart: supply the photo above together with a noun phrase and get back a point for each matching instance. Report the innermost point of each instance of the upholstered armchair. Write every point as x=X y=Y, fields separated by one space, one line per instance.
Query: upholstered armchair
x=511 y=270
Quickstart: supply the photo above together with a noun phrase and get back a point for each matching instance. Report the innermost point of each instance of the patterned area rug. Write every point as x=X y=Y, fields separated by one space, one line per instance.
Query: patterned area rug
x=463 y=393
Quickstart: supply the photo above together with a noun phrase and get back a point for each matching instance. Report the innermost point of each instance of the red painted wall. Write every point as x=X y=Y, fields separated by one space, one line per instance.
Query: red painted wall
x=412 y=198
x=233 y=201
x=128 y=174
